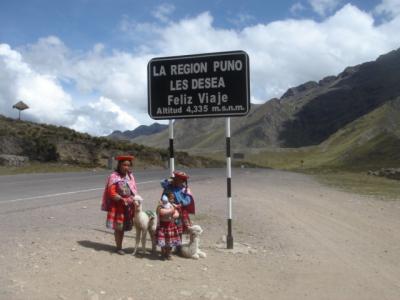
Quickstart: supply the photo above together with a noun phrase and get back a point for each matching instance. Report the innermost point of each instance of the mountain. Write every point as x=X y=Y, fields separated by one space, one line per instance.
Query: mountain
x=139 y=131
x=305 y=115
x=354 y=93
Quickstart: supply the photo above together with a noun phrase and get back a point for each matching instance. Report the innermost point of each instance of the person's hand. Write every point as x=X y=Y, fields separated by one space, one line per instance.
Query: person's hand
x=117 y=198
x=127 y=200
x=175 y=215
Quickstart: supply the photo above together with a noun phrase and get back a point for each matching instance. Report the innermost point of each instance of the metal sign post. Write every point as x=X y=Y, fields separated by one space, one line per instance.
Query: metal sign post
x=229 y=237
x=171 y=147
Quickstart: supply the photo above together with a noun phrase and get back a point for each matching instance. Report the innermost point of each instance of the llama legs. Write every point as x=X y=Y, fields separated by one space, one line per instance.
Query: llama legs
x=144 y=233
x=137 y=240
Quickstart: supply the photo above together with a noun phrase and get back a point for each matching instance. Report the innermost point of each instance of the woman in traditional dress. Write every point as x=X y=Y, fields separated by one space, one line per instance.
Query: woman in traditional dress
x=118 y=199
x=183 y=199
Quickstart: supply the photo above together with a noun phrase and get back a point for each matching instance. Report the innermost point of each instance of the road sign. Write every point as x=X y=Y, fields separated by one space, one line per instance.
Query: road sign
x=202 y=85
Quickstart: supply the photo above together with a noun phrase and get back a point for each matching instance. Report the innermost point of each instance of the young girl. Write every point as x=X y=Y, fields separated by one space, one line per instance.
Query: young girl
x=167 y=234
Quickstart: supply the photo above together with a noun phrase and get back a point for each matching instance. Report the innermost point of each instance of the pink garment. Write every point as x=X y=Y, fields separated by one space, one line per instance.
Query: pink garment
x=114 y=178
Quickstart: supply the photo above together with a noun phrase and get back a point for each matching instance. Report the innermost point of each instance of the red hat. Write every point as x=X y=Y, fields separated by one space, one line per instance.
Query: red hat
x=124 y=157
x=181 y=175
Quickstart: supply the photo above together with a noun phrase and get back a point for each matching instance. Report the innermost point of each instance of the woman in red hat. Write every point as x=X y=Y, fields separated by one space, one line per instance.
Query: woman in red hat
x=118 y=199
x=184 y=200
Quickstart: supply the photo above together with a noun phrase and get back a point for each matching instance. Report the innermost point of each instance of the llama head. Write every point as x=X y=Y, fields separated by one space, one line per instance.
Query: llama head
x=138 y=200
x=195 y=230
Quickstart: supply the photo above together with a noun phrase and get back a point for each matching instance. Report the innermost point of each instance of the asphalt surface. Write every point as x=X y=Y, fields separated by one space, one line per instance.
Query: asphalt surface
x=28 y=191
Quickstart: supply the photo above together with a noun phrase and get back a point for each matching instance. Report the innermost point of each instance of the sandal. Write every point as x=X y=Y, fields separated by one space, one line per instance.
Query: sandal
x=120 y=251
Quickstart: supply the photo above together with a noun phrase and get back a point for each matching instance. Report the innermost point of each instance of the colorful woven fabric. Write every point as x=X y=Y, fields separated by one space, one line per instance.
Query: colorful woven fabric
x=120 y=216
x=183 y=222
x=167 y=235
x=184 y=198
x=116 y=178
x=119 y=212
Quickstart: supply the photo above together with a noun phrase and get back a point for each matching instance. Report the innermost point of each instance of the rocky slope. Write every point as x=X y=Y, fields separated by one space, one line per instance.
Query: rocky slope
x=48 y=143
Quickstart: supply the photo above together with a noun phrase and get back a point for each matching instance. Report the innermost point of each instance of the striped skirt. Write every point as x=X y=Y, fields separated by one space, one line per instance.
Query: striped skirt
x=120 y=216
x=167 y=235
x=183 y=222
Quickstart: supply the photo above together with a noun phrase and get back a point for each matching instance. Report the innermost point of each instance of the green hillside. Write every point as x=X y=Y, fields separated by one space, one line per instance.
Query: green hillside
x=370 y=142
x=49 y=143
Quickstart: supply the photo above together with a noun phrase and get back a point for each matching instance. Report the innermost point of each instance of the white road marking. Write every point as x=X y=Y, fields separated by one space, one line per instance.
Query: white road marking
x=66 y=193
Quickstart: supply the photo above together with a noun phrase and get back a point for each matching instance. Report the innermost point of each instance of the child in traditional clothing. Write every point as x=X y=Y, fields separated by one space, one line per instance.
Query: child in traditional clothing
x=183 y=200
x=167 y=234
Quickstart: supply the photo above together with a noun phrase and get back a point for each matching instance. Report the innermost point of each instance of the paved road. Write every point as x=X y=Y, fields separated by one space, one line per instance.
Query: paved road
x=35 y=190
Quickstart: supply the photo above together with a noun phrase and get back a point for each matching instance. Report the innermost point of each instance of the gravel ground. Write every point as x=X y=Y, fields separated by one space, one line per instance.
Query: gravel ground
x=294 y=239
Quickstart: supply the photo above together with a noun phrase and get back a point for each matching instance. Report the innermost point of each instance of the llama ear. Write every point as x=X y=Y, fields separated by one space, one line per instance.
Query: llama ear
x=137 y=197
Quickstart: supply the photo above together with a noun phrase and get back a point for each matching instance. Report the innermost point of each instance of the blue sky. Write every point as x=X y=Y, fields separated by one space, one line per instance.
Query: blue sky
x=82 y=23
x=82 y=63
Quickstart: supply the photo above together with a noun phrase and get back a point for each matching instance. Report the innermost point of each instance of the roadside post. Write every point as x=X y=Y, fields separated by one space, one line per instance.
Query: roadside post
x=171 y=147
x=229 y=237
x=201 y=85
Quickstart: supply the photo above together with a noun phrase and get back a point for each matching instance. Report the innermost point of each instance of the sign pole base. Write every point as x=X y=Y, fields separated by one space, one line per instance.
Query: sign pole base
x=229 y=237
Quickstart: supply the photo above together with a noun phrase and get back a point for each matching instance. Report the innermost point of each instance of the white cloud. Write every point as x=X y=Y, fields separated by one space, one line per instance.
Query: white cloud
x=120 y=76
x=49 y=55
x=390 y=8
x=163 y=12
x=323 y=7
x=242 y=19
x=47 y=100
x=286 y=53
x=50 y=103
x=297 y=8
x=104 y=115
x=195 y=35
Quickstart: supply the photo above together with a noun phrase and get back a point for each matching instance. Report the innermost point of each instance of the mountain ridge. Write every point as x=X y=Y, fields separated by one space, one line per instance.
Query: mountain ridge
x=138 y=131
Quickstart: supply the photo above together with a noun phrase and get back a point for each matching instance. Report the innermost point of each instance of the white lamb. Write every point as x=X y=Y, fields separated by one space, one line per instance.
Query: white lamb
x=192 y=250
x=144 y=222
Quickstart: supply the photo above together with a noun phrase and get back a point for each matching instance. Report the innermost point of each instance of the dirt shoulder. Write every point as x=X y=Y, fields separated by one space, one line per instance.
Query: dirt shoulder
x=295 y=239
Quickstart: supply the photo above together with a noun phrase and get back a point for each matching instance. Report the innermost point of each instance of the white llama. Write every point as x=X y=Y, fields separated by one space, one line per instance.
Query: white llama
x=144 y=222
x=192 y=250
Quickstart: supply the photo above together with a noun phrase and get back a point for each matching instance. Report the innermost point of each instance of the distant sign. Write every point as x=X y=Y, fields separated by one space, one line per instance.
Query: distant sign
x=238 y=155
x=203 y=85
